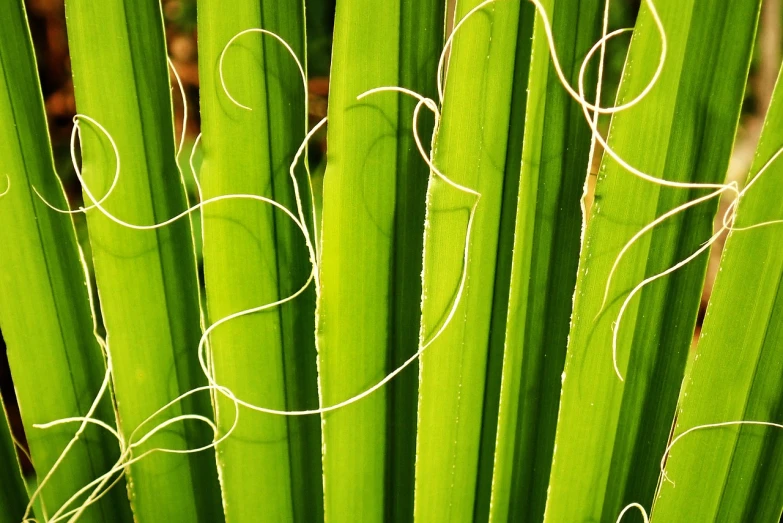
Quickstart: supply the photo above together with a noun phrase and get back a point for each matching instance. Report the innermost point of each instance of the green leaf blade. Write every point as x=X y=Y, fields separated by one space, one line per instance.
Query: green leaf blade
x=611 y=433
x=287 y=127
x=254 y=254
x=146 y=279
x=421 y=42
x=56 y=362
x=728 y=473
x=502 y=284
x=353 y=318
x=378 y=190
x=470 y=148
x=548 y=225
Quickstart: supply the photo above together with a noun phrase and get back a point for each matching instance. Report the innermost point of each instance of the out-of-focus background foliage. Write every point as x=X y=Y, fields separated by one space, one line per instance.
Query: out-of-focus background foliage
x=47 y=23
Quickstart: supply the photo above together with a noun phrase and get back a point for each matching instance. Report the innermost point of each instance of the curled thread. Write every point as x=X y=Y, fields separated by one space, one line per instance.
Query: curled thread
x=609 y=150
x=101 y=485
x=184 y=98
x=311 y=242
x=193 y=168
x=580 y=96
x=651 y=279
x=263 y=32
x=587 y=107
x=84 y=422
x=7 y=186
x=632 y=506
x=422 y=102
x=728 y=219
x=705 y=427
x=104 y=386
x=77 y=131
x=651 y=225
